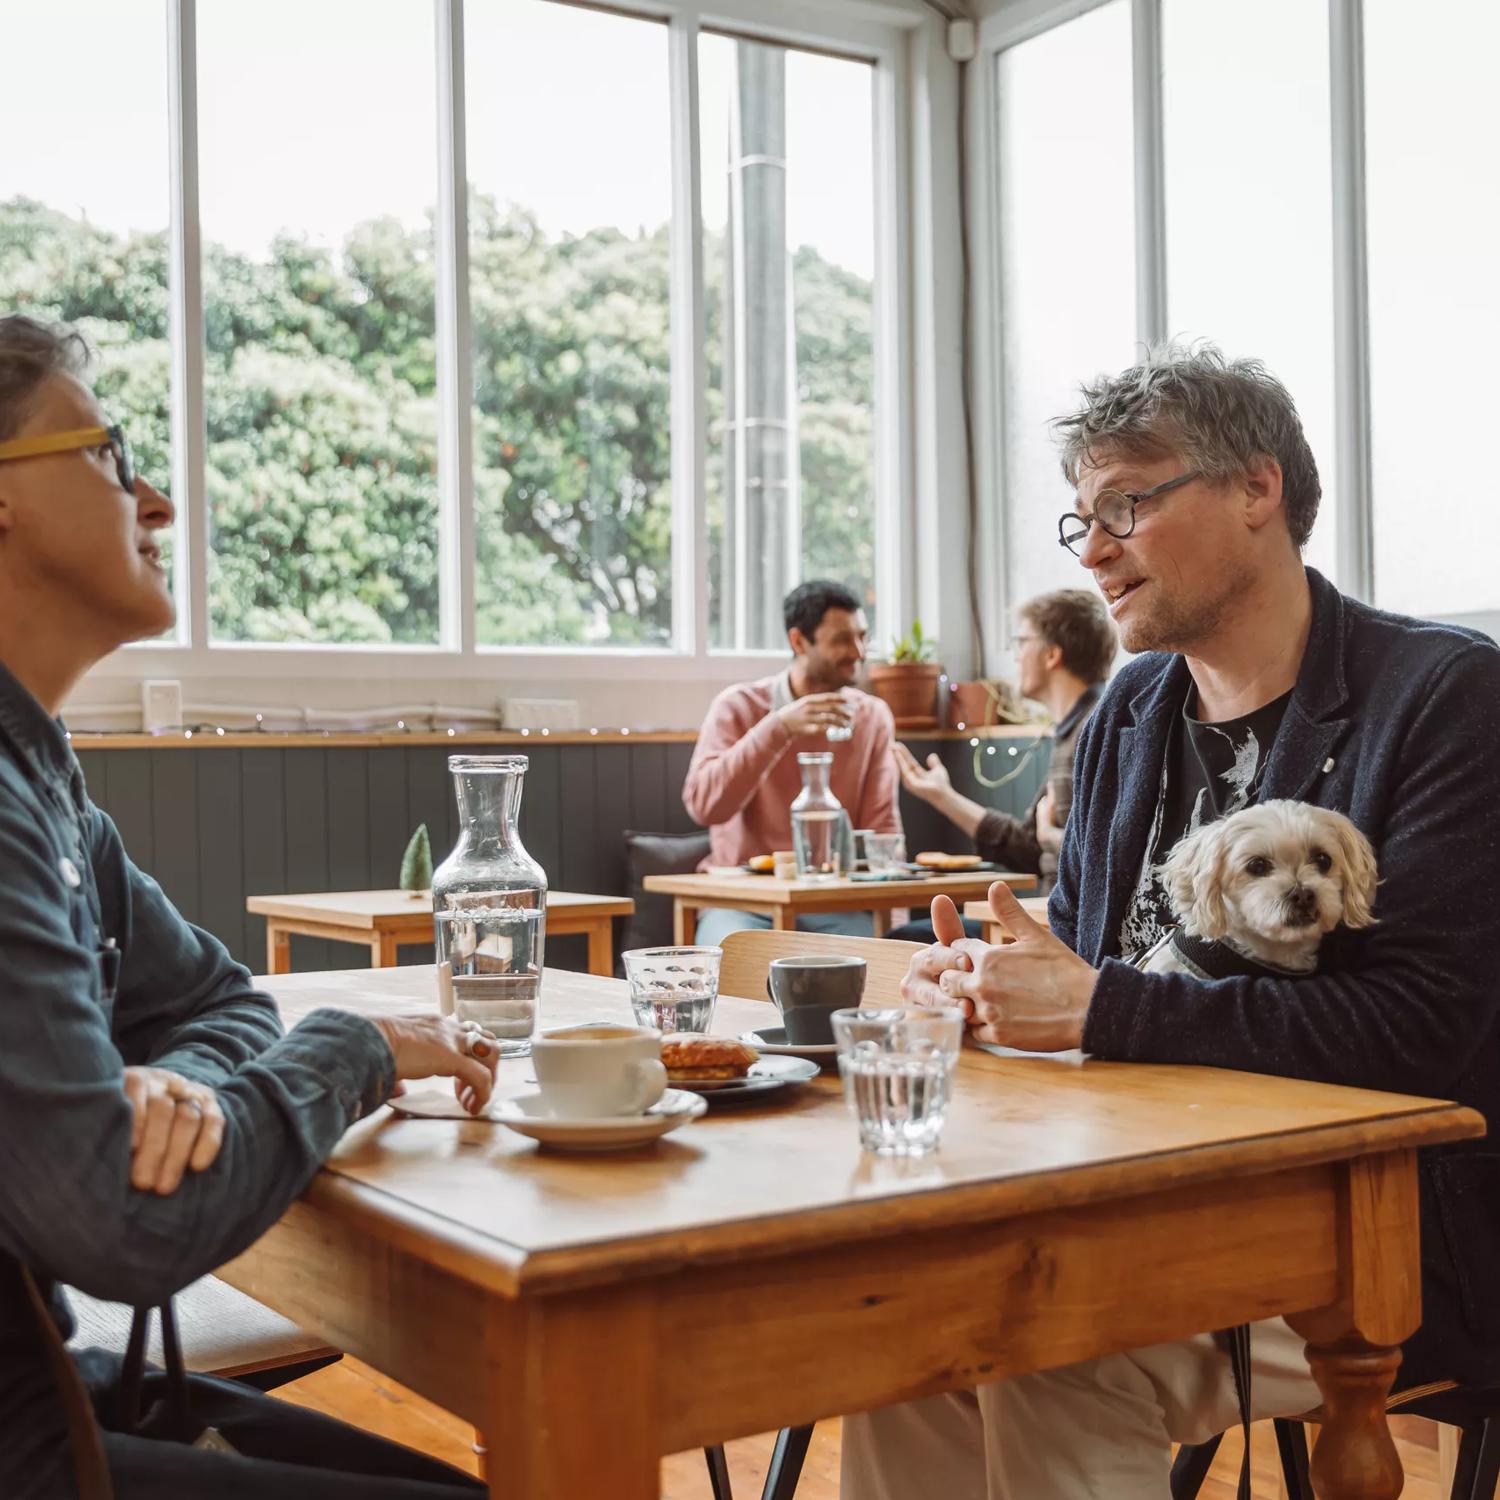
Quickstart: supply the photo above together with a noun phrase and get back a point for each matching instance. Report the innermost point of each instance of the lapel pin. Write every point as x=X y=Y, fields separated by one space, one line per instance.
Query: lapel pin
x=69 y=872
x=1328 y=764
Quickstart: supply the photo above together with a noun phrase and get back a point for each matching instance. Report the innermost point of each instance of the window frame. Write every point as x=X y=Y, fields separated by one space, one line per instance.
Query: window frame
x=1019 y=21
x=874 y=31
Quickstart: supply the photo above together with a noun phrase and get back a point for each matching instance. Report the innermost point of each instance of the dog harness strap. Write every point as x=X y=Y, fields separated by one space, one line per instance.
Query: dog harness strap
x=1219 y=961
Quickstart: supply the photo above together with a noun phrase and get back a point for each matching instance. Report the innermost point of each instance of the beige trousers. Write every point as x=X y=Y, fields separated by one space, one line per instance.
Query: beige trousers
x=1103 y=1428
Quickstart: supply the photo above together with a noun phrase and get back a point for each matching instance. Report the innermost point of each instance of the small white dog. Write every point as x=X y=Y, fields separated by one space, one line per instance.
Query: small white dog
x=1268 y=883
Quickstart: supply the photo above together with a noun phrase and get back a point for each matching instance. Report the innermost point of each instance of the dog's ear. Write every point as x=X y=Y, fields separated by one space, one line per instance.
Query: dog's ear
x=1357 y=858
x=1192 y=876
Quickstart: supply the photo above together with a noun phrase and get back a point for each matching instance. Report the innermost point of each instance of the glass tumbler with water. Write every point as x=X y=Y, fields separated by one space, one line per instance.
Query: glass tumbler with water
x=897 y=1065
x=818 y=821
x=673 y=989
x=489 y=905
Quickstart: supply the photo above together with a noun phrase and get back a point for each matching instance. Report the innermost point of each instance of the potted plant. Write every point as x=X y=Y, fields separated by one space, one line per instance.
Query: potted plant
x=908 y=681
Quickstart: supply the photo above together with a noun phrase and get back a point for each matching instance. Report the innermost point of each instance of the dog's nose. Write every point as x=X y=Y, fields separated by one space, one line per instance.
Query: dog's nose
x=1301 y=905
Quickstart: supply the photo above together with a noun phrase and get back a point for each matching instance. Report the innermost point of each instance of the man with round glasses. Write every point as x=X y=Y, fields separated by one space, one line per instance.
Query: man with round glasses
x=1196 y=493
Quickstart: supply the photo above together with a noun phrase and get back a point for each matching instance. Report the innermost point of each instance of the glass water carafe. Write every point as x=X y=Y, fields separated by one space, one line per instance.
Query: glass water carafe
x=489 y=906
x=818 y=821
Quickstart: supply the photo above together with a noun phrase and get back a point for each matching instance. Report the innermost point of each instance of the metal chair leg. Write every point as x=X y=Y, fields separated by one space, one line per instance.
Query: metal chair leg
x=787 y=1459
x=1486 y=1461
x=718 y=1472
x=1291 y=1444
x=1190 y=1468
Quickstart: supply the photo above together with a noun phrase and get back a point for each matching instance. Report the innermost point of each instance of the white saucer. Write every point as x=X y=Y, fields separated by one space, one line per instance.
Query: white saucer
x=432 y=1104
x=525 y=1116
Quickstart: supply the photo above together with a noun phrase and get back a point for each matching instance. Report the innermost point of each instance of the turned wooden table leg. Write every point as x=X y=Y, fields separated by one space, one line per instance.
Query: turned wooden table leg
x=1353 y=1345
x=278 y=949
x=1354 y=1458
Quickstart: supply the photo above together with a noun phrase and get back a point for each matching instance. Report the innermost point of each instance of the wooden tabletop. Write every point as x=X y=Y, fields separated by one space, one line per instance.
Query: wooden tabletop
x=1025 y=1133
x=372 y=909
x=743 y=891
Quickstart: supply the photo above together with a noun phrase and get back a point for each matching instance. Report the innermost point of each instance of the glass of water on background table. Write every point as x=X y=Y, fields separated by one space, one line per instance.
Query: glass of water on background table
x=897 y=1065
x=673 y=989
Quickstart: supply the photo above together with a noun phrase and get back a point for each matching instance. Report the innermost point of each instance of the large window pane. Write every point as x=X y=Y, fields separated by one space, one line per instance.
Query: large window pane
x=789 y=263
x=1248 y=195
x=318 y=172
x=1067 y=248
x=569 y=158
x=84 y=197
x=1432 y=123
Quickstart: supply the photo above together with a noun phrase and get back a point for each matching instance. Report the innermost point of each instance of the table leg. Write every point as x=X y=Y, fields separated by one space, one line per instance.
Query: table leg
x=684 y=922
x=383 y=950
x=784 y=919
x=278 y=949
x=565 y=1424
x=880 y=922
x=1353 y=1346
x=601 y=946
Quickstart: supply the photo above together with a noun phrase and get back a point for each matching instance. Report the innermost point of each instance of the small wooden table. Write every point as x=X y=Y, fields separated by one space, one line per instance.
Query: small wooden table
x=786 y=900
x=979 y=911
x=756 y=1270
x=383 y=921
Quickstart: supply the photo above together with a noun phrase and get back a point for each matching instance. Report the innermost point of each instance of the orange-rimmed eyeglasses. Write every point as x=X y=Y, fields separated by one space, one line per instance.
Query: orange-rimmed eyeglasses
x=76 y=440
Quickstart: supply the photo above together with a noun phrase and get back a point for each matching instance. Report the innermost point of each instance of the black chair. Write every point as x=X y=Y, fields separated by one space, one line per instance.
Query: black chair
x=1473 y=1409
x=785 y=1469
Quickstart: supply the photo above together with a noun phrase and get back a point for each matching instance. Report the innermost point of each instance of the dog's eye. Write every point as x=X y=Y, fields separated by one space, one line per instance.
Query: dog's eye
x=1321 y=861
x=1260 y=865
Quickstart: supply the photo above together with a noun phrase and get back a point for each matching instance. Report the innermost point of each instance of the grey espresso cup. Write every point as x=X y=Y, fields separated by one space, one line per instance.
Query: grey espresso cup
x=808 y=990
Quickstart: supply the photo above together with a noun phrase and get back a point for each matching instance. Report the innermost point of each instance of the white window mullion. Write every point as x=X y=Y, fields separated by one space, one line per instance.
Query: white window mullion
x=1150 y=173
x=455 y=374
x=185 y=291
x=1355 y=569
x=690 y=601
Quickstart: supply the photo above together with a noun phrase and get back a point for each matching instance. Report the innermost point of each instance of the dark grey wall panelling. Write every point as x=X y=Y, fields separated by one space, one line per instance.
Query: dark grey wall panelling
x=217 y=825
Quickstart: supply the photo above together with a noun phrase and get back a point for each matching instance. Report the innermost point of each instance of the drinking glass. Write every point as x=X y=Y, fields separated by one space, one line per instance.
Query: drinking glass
x=884 y=852
x=673 y=989
x=897 y=1066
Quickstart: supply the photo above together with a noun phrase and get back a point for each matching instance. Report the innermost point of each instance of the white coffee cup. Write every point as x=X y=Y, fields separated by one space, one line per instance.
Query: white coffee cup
x=592 y=1072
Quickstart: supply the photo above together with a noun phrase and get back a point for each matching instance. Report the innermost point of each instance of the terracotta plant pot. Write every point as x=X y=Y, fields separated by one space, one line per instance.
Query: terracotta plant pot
x=971 y=705
x=910 y=687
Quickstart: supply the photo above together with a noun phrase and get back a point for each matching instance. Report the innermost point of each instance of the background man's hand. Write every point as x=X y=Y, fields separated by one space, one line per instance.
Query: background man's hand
x=1033 y=993
x=176 y=1124
x=429 y=1046
x=815 y=714
x=930 y=782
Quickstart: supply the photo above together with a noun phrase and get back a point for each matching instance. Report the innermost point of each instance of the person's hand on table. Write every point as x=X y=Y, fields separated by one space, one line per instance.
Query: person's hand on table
x=429 y=1046
x=1032 y=994
x=815 y=714
x=175 y=1125
x=929 y=782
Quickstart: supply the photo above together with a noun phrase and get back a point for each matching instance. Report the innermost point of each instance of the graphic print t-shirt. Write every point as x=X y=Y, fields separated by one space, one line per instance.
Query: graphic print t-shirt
x=1210 y=771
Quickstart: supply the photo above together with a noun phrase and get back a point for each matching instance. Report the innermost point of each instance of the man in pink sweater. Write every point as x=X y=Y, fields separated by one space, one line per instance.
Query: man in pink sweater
x=744 y=774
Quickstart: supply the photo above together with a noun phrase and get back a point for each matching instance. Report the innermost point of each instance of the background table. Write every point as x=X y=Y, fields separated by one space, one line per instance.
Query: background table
x=786 y=900
x=756 y=1270
x=994 y=931
x=383 y=921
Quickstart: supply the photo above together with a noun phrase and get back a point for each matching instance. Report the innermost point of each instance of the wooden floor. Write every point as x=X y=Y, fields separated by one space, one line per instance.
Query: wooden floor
x=355 y=1393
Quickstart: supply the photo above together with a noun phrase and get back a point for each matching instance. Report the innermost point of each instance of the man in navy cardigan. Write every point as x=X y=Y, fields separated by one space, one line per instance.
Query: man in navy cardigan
x=1195 y=494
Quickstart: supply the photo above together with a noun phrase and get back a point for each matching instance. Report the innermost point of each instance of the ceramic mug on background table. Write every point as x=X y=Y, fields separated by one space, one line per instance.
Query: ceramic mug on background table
x=809 y=989
x=592 y=1072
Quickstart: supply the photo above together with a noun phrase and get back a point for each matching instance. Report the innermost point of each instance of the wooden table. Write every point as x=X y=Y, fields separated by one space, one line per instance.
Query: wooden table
x=590 y=1314
x=383 y=921
x=994 y=931
x=786 y=900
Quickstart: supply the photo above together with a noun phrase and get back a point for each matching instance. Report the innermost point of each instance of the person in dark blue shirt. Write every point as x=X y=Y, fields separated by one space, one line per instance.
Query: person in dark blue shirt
x=154 y=1119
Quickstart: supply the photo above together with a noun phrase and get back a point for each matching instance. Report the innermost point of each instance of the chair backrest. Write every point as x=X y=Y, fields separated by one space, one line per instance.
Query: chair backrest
x=748 y=955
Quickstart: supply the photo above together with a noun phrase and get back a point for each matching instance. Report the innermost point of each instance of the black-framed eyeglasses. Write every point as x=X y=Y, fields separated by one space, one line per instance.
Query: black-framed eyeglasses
x=75 y=440
x=1114 y=510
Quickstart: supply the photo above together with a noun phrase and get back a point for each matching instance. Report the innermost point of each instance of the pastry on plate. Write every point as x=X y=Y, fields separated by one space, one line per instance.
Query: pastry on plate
x=689 y=1059
x=762 y=864
x=933 y=860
